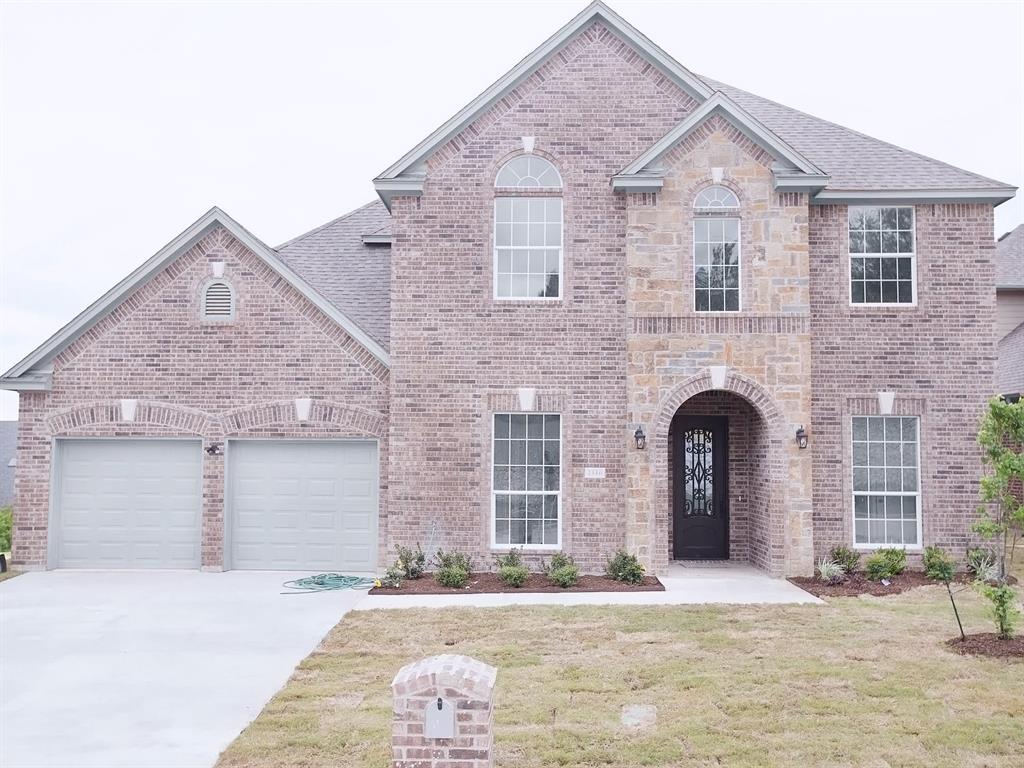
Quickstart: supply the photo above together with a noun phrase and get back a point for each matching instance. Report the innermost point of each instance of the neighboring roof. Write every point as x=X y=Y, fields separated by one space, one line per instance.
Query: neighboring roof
x=861 y=169
x=1010 y=365
x=8 y=449
x=34 y=372
x=1010 y=259
x=349 y=271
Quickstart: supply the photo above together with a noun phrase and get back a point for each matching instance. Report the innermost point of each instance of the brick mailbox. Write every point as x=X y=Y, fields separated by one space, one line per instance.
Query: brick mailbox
x=443 y=713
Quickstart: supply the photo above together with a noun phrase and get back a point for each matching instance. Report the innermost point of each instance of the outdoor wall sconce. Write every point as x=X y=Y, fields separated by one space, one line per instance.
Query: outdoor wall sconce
x=801 y=437
x=640 y=437
x=213 y=449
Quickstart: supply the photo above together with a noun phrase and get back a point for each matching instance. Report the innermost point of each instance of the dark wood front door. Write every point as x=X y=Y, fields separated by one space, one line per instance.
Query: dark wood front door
x=700 y=529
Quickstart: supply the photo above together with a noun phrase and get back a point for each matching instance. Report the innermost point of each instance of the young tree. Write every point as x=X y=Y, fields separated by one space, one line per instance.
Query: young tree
x=1002 y=487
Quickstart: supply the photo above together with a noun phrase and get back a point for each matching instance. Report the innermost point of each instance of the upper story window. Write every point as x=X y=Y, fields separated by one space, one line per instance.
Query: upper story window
x=218 y=301
x=882 y=255
x=716 y=250
x=528 y=230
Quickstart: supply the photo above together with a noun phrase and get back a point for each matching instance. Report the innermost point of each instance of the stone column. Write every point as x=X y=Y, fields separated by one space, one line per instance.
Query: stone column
x=466 y=685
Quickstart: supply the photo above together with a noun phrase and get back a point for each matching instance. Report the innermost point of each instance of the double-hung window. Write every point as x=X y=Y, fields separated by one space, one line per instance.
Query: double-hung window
x=716 y=250
x=882 y=265
x=528 y=230
x=527 y=480
x=886 y=481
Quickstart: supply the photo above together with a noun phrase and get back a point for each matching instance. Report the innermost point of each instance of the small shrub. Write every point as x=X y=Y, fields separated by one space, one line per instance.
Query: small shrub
x=412 y=562
x=886 y=563
x=937 y=563
x=562 y=571
x=453 y=559
x=559 y=560
x=845 y=558
x=511 y=559
x=1004 y=609
x=625 y=567
x=452 y=576
x=393 y=577
x=829 y=571
x=981 y=564
x=6 y=524
x=513 y=575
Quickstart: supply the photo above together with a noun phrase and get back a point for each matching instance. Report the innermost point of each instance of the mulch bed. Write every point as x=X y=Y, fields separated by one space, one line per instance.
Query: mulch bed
x=537 y=582
x=859 y=584
x=988 y=644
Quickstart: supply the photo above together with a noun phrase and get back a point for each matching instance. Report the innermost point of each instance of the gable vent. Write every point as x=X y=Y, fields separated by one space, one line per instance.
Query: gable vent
x=218 y=301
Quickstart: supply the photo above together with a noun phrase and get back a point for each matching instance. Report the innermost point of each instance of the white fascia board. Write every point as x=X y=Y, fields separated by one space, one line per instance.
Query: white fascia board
x=33 y=381
x=376 y=239
x=993 y=195
x=409 y=185
x=799 y=182
x=597 y=10
x=29 y=367
x=645 y=183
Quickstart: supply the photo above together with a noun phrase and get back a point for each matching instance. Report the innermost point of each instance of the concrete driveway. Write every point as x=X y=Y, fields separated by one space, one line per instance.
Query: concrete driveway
x=139 y=669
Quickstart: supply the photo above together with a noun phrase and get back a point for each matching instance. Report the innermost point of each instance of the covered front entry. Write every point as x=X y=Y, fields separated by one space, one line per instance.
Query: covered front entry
x=700 y=507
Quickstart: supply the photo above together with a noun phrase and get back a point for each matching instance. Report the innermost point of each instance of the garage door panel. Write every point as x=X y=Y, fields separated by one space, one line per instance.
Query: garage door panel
x=292 y=504
x=127 y=503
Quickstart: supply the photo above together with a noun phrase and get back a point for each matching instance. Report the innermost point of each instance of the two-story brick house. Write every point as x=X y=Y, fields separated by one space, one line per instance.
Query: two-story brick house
x=610 y=303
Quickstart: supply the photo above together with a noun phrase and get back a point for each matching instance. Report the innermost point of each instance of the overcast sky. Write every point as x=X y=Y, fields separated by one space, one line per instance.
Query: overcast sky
x=120 y=124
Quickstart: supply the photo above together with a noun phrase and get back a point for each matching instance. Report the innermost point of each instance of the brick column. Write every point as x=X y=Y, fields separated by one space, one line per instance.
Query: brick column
x=465 y=683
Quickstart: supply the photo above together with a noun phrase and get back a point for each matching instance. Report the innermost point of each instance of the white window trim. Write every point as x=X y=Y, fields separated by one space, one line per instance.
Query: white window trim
x=218 y=319
x=494 y=240
x=869 y=305
x=561 y=464
x=853 y=494
x=707 y=215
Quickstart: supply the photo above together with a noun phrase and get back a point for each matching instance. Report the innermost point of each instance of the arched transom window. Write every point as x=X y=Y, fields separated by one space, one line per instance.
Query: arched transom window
x=528 y=230
x=716 y=250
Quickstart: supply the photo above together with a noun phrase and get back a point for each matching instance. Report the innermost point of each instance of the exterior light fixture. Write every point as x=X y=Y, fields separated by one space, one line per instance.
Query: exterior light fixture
x=213 y=449
x=801 y=437
x=640 y=437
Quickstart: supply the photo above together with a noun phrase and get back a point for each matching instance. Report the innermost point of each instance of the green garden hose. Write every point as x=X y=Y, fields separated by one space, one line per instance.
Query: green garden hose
x=326 y=582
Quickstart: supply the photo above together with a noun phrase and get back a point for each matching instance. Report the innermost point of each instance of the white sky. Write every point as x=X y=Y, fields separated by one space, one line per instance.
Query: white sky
x=120 y=124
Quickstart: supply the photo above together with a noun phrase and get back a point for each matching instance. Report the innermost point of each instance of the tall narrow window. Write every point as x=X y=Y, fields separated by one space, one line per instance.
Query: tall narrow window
x=527 y=469
x=881 y=255
x=218 y=301
x=716 y=250
x=886 y=482
x=528 y=230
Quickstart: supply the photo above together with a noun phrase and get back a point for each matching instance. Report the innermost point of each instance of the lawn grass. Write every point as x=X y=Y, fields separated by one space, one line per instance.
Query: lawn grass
x=859 y=682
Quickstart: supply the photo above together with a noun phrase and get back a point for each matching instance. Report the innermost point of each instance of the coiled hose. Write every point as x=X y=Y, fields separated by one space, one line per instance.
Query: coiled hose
x=326 y=582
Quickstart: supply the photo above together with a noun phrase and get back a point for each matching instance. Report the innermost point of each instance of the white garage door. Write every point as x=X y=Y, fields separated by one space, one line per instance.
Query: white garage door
x=309 y=506
x=128 y=504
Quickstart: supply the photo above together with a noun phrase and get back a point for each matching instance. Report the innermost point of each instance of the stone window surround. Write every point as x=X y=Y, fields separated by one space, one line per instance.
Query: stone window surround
x=844 y=212
x=867 y=405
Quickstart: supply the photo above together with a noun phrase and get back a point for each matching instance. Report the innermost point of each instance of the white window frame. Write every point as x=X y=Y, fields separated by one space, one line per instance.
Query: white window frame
x=913 y=262
x=863 y=547
x=561 y=477
x=707 y=215
x=561 y=246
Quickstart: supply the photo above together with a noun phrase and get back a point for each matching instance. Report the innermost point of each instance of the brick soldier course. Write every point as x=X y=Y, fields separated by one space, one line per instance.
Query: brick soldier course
x=388 y=319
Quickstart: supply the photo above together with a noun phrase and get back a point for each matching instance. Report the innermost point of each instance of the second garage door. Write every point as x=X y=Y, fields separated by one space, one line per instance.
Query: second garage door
x=302 y=505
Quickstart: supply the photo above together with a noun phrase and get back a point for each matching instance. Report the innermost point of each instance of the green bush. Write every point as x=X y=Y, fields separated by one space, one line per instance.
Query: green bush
x=453 y=559
x=938 y=565
x=886 y=563
x=511 y=559
x=565 y=576
x=393 y=577
x=981 y=564
x=845 y=558
x=830 y=572
x=412 y=562
x=625 y=567
x=1004 y=609
x=6 y=524
x=452 y=576
x=513 y=575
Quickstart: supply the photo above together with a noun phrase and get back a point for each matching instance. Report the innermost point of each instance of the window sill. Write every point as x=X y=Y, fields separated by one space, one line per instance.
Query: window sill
x=526 y=548
x=876 y=547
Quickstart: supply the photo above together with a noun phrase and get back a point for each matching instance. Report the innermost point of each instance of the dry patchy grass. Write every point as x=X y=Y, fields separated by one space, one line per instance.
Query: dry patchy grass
x=861 y=682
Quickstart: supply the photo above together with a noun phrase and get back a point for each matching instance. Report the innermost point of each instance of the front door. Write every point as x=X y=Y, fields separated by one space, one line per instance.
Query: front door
x=700 y=507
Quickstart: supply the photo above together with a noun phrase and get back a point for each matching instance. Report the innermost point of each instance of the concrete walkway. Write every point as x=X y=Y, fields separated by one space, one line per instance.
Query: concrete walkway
x=146 y=669
x=729 y=583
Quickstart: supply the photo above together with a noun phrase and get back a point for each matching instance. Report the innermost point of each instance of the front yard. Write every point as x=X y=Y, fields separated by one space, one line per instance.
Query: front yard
x=859 y=682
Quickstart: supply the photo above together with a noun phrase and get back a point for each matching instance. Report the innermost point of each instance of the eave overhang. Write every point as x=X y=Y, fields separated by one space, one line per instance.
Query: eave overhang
x=991 y=195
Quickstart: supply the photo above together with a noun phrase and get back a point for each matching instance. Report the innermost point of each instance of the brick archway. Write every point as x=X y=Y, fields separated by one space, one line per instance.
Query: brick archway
x=771 y=522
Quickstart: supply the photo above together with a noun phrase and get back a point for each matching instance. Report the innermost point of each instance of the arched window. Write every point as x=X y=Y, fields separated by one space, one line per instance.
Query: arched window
x=218 y=301
x=716 y=250
x=528 y=230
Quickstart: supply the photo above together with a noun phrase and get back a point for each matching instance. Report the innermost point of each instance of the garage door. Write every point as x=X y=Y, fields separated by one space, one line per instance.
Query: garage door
x=309 y=506
x=128 y=504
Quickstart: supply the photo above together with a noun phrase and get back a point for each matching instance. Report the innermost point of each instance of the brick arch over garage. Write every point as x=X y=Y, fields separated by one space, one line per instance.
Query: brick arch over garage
x=325 y=418
x=151 y=418
x=776 y=473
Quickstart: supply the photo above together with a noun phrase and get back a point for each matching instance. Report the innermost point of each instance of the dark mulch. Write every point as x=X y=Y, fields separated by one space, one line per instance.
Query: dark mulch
x=988 y=644
x=859 y=584
x=489 y=582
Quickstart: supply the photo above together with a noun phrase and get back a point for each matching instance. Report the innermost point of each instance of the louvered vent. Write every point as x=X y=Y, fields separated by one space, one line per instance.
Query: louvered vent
x=217 y=302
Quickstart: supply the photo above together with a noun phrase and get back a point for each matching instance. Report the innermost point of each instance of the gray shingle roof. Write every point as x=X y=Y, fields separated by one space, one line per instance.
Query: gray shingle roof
x=353 y=276
x=1010 y=366
x=852 y=160
x=8 y=449
x=1010 y=259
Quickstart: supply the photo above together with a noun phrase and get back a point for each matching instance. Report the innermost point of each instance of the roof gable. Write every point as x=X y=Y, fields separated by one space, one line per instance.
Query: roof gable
x=33 y=372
